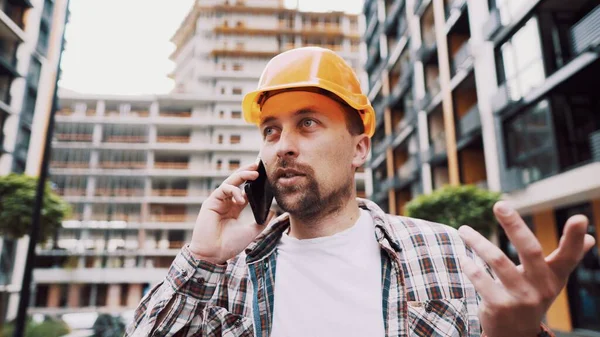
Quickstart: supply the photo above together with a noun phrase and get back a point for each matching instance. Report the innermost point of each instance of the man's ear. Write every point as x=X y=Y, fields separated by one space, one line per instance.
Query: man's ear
x=361 y=150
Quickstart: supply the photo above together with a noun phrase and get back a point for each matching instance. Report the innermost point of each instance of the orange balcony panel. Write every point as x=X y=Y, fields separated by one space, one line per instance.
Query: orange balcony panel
x=68 y=164
x=243 y=30
x=122 y=165
x=74 y=137
x=173 y=139
x=167 y=165
x=181 y=114
x=241 y=52
x=65 y=112
x=169 y=192
x=169 y=218
x=125 y=139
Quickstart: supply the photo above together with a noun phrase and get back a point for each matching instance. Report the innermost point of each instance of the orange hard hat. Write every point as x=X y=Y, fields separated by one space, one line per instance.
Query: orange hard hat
x=310 y=67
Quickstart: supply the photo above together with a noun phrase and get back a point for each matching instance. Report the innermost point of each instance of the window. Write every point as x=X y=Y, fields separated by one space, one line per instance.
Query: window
x=220 y=139
x=507 y=8
x=236 y=114
x=236 y=91
x=222 y=91
x=221 y=114
x=235 y=139
x=529 y=142
x=219 y=164
x=238 y=67
x=520 y=62
x=234 y=164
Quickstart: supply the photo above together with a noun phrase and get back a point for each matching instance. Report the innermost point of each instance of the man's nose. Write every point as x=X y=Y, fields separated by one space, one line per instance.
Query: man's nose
x=286 y=146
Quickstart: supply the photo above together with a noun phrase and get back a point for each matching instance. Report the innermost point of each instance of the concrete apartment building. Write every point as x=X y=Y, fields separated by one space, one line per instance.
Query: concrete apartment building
x=136 y=169
x=31 y=40
x=498 y=93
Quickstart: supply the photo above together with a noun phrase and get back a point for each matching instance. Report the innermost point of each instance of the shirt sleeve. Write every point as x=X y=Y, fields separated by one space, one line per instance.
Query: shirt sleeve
x=188 y=287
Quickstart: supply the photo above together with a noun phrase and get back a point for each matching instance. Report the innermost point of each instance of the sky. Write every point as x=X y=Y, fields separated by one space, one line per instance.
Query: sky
x=123 y=46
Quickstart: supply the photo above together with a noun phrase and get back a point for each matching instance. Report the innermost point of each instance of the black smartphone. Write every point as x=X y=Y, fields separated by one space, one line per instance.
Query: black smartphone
x=260 y=195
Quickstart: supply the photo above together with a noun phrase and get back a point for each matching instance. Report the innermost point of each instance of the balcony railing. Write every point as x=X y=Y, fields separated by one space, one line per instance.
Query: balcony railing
x=173 y=139
x=105 y=216
x=492 y=25
x=65 y=112
x=74 y=137
x=392 y=13
x=409 y=116
x=469 y=122
x=171 y=166
x=71 y=191
x=125 y=139
x=585 y=34
x=170 y=218
x=170 y=192
x=462 y=60
x=70 y=164
x=407 y=170
x=119 y=192
x=121 y=165
x=453 y=6
x=180 y=114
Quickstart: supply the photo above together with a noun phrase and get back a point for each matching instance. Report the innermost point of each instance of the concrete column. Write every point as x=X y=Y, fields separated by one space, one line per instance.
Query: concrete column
x=100 y=108
x=113 y=296
x=94 y=295
x=73 y=300
x=134 y=296
x=53 y=296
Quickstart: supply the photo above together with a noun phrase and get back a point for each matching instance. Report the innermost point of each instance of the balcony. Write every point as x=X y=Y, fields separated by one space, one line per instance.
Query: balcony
x=492 y=25
x=374 y=55
x=125 y=139
x=502 y=99
x=71 y=192
x=170 y=192
x=419 y=6
x=371 y=21
x=462 y=60
x=121 y=165
x=15 y=10
x=402 y=84
x=171 y=166
x=470 y=122
x=380 y=147
x=176 y=114
x=392 y=13
x=74 y=137
x=455 y=6
x=407 y=119
x=375 y=75
x=428 y=48
x=171 y=218
x=437 y=148
x=585 y=34
x=406 y=174
x=70 y=164
x=173 y=139
x=120 y=192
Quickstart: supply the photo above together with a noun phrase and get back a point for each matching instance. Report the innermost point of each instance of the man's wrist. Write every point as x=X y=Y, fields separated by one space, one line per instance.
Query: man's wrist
x=211 y=260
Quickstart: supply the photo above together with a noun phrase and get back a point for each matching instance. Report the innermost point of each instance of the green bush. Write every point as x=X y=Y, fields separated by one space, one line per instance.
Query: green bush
x=17 y=197
x=50 y=327
x=107 y=325
x=456 y=206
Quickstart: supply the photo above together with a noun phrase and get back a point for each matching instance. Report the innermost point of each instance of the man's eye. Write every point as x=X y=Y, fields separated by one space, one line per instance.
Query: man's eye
x=308 y=123
x=268 y=131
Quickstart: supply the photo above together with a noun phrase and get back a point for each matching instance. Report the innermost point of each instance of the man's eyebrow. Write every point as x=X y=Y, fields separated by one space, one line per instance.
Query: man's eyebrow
x=303 y=111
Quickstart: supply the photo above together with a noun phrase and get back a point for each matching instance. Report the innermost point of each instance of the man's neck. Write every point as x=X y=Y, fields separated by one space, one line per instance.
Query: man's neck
x=325 y=224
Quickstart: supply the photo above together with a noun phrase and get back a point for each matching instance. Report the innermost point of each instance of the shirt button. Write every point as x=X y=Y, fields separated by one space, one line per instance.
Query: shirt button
x=266 y=265
x=184 y=273
x=428 y=307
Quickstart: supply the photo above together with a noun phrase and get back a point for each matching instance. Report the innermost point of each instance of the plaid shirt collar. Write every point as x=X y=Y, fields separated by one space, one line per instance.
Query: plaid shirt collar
x=266 y=243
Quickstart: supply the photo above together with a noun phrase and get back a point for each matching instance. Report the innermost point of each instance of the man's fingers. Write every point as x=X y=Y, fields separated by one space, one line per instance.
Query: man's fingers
x=572 y=246
x=482 y=281
x=504 y=268
x=528 y=246
x=239 y=177
x=227 y=192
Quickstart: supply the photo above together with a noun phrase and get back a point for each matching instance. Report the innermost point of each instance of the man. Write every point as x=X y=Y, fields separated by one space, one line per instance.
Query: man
x=335 y=265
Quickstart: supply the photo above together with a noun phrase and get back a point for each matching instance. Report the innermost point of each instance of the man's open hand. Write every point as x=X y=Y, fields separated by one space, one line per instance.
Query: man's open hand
x=515 y=303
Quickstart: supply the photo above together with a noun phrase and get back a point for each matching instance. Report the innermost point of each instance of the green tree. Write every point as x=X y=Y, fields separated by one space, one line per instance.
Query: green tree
x=17 y=197
x=107 y=325
x=456 y=206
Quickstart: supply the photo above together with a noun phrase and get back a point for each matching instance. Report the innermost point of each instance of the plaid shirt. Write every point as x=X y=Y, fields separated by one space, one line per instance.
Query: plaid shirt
x=424 y=291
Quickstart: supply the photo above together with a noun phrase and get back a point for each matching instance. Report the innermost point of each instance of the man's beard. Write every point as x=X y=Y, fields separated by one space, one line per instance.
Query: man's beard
x=311 y=202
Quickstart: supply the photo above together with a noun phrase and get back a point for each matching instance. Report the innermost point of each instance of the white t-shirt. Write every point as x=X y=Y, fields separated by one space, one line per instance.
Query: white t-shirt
x=329 y=286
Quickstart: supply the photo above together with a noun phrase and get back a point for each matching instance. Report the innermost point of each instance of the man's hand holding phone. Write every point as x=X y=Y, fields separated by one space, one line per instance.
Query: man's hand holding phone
x=218 y=234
